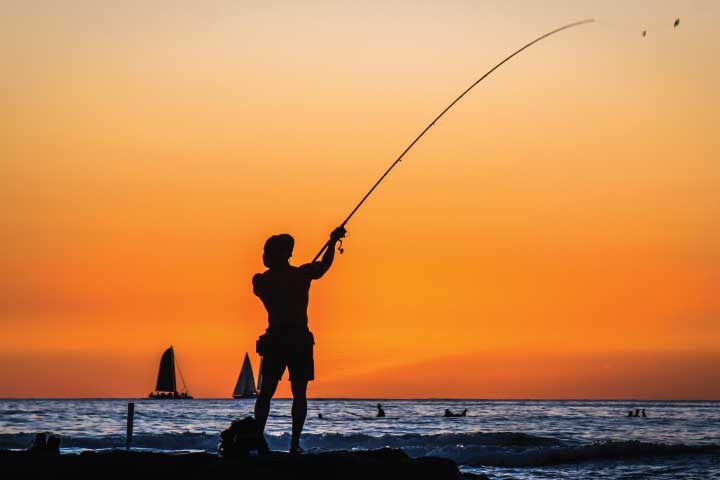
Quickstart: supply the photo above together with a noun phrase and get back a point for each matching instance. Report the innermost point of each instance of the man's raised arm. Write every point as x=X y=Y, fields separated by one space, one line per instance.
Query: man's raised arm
x=318 y=269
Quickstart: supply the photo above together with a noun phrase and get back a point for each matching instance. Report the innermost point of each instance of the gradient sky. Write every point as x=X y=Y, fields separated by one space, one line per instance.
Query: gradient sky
x=556 y=235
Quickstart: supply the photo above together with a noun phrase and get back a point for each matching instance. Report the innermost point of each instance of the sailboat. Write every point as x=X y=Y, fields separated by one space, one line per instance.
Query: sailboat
x=166 y=387
x=245 y=386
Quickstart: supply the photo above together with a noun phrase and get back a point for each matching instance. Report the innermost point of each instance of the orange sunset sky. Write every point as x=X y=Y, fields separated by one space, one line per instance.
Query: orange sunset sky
x=555 y=235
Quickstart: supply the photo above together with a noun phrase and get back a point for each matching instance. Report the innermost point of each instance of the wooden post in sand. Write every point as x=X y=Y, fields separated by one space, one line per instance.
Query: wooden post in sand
x=128 y=435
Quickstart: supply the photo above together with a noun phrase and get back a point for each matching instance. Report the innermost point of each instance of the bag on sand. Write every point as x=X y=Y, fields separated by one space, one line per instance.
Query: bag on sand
x=241 y=438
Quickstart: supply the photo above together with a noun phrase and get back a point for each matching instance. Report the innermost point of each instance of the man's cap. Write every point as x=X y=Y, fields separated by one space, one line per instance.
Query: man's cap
x=280 y=245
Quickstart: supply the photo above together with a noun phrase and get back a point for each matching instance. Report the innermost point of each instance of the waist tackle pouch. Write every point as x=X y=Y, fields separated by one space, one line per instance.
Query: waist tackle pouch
x=262 y=344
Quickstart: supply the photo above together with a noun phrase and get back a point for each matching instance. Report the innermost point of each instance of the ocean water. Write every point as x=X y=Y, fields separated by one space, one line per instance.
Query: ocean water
x=502 y=439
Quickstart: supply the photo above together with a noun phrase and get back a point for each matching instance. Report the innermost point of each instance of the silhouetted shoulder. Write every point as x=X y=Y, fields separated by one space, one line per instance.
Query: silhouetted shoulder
x=257 y=282
x=313 y=270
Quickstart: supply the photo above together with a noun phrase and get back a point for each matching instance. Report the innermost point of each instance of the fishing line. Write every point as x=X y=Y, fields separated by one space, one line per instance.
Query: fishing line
x=542 y=37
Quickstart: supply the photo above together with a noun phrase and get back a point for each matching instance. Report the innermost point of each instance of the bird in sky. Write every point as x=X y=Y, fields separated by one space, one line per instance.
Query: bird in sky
x=677 y=22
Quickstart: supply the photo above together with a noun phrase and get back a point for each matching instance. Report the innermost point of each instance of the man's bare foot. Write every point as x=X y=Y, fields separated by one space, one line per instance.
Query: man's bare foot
x=296 y=450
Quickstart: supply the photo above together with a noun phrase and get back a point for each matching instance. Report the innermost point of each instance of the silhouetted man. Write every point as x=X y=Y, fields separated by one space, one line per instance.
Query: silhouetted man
x=381 y=412
x=287 y=343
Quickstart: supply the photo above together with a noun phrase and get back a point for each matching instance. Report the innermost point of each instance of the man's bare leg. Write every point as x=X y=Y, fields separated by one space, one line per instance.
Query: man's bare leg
x=262 y=402
x=299 y=412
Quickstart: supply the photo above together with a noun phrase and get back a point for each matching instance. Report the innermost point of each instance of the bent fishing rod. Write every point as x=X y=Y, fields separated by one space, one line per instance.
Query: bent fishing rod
x=542 y=37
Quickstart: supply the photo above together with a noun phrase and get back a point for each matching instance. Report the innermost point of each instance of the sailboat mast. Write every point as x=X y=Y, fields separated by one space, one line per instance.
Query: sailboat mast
x=182 y=378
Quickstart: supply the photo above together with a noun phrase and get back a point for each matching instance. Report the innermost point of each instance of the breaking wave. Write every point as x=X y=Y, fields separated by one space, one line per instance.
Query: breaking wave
x=501 y=449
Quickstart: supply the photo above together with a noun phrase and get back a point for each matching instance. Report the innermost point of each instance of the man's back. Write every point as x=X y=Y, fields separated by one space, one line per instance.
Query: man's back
x=285 y=294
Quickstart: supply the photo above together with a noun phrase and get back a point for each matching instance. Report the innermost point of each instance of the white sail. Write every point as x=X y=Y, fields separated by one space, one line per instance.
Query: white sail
x=245 y=386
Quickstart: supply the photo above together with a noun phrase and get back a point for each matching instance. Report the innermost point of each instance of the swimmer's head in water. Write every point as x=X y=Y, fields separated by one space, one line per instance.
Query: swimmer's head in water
x=278 y=250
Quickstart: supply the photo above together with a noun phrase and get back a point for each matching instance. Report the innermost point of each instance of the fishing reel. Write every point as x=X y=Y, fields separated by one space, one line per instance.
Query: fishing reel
x=337 y=236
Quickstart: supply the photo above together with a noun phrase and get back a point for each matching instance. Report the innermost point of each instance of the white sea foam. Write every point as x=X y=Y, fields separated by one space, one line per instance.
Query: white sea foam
x=505 y=449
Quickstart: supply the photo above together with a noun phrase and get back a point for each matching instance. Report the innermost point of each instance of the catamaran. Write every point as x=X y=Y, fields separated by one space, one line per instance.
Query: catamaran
x=245 y=386
x=166 y=388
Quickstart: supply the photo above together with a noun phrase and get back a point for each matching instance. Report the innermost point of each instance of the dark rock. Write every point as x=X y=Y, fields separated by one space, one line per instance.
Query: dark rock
x=474 y=476
x=384 y=464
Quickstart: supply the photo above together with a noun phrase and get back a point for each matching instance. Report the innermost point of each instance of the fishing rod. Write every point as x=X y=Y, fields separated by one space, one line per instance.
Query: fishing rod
x=347 y=219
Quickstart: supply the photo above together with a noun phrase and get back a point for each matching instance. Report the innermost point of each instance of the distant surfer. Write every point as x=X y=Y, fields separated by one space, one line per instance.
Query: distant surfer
x=630 y=413
x=448 y=413
x=637 y=412
x=643 y=413
x=287 y=342
x=381 y=412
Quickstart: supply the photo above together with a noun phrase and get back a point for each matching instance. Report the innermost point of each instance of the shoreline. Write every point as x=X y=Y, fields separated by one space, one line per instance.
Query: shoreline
x=382 y=464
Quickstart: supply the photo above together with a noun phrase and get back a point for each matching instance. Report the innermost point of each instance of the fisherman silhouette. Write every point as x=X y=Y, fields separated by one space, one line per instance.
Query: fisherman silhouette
x=637 y=412
x=381 y=412
x=287 y=342
x=643 y=413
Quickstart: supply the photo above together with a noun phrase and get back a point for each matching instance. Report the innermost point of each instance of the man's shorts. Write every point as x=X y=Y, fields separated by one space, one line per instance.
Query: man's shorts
x=295 y=354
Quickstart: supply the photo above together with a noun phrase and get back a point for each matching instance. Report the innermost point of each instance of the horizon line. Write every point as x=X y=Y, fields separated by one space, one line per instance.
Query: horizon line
x=395 y=399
